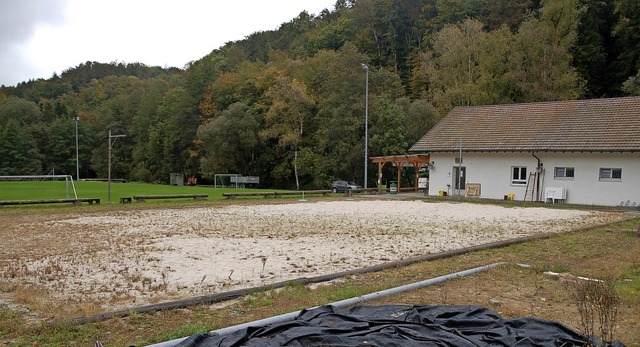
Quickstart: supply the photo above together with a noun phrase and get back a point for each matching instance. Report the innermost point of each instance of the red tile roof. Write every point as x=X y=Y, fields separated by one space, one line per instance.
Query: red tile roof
x=576 y=125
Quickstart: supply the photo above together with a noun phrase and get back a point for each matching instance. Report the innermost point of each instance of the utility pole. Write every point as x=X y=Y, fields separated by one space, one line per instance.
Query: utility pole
x=366 y=123
x=114 y=137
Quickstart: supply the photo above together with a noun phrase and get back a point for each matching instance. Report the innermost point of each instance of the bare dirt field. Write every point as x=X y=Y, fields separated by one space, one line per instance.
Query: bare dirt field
x=130 y=258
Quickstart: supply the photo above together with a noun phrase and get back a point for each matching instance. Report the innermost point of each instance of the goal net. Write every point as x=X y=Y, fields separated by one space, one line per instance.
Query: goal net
x=44 y=187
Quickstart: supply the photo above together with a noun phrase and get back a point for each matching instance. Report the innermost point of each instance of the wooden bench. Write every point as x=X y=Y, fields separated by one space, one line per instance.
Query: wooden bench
x=142 y=198
x=233 y=195
x=77 y=201
x=304 y=192
x=276 y=194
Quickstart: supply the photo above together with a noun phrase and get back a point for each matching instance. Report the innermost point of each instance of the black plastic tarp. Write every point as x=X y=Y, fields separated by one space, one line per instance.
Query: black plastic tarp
x=394 y=325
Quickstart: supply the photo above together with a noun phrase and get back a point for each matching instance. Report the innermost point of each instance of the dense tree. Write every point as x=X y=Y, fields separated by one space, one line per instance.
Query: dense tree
x=388 y=136
x=468 y=66
x=231 y=142
x=61 y=149
x=627 y=32
x=542 y=49
x=509 y=13
x=452 y=66
x=18 y=109
x=170 y=139
x=420 y=116
x=290 y=110
x=454 y=11
x=595 y=51
x=632 y=85
x=18 y=151
x=20 y=126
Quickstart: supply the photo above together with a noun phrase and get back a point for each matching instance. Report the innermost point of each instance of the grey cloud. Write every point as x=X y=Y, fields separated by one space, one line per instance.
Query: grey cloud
x=18 y=20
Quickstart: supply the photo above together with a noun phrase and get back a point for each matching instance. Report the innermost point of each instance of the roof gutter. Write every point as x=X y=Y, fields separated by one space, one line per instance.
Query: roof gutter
x=539 y=162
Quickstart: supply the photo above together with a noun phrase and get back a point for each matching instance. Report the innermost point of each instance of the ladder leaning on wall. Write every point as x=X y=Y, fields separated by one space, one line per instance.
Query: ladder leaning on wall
x=531 y=186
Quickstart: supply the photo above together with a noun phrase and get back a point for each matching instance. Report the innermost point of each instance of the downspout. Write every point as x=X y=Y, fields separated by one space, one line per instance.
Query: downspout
x=538 y=172
x=339 y=304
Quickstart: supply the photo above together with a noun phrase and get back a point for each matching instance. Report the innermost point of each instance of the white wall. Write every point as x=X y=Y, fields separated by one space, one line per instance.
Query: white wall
x=586 y=187
x=493 y=172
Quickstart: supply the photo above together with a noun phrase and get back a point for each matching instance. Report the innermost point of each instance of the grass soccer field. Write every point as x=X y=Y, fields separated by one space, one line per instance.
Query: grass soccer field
x=36 y=190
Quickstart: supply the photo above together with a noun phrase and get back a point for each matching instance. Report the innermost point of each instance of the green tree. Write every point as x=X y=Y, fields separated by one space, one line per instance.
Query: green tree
x=595 y=52
x=497 y=77
x=388 y=136
x=542 y=53
x=18 y=151
x=167 y=145
x=508 y=12
x=23 y=111
x=420 y=116
x=455 y=11
x=627 y=32
x=144 y=129
x=452 y=66
x=231 y=142
x=290 y=109
x=62 y=152
x=632 y=85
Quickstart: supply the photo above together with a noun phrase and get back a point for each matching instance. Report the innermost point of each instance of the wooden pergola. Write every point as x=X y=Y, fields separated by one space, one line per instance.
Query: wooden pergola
x=399 y=161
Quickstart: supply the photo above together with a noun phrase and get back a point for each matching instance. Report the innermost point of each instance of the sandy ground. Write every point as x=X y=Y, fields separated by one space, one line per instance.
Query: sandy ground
x=131 y=258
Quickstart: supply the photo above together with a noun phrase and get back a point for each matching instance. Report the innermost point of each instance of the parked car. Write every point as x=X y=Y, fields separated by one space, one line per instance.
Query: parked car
x=343 y=186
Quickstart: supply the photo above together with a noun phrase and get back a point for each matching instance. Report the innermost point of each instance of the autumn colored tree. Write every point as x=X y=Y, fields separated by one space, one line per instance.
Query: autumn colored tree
x=290 y=109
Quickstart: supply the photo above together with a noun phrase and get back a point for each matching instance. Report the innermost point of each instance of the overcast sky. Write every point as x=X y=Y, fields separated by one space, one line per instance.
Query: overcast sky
x=40 y=37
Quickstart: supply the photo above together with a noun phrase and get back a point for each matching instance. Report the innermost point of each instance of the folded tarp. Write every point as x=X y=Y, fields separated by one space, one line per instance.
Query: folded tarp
x=397 y=325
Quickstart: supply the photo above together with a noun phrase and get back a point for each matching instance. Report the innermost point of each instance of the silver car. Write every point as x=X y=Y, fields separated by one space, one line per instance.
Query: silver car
x=343 y=186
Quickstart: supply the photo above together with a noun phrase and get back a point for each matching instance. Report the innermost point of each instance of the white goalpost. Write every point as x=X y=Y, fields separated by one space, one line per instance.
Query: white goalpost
x=37 y=187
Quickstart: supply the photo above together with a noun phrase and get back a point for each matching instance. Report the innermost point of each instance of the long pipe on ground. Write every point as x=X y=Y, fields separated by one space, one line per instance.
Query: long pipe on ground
x=340 y=304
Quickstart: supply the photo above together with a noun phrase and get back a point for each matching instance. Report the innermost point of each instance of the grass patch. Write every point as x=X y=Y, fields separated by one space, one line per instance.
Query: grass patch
x=93 y=189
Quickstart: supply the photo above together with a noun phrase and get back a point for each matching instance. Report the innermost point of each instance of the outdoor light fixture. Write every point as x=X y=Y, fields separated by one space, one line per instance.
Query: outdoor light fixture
x=366 y=122
x=77 y=118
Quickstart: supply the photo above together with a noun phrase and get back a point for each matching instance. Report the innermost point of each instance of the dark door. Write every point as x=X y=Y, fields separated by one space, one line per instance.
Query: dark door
x=459 y=178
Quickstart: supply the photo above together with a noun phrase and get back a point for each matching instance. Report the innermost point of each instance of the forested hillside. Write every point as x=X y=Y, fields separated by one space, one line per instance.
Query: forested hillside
x=288 y=105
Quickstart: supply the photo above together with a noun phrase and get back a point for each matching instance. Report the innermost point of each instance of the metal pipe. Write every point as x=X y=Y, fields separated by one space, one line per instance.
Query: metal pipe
x=538 y=172
x=340 y=304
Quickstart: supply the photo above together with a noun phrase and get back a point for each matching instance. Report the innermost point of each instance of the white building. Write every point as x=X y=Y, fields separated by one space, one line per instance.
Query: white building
x=579 y=152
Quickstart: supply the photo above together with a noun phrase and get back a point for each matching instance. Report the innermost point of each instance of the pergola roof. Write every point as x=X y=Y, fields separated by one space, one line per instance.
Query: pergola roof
x=404 y=159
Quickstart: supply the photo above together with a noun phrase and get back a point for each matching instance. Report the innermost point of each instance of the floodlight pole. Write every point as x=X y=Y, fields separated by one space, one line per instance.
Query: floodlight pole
x=366 y=122
x=77 y=118
x=114 y=137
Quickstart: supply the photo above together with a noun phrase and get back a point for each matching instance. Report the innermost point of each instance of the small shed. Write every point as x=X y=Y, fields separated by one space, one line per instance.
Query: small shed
x=176 y=179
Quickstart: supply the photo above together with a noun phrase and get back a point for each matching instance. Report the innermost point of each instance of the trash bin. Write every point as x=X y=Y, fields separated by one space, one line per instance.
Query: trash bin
x=442 y=193
x=393 y=188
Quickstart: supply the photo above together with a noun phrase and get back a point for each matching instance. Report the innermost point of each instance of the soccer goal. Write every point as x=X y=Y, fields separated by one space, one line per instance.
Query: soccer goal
x=40 y=187
x=224 y=180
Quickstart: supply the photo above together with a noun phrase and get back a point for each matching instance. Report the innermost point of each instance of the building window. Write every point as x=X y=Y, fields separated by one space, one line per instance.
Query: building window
x=610 y=174
x=519 y=175
x=563 y=172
